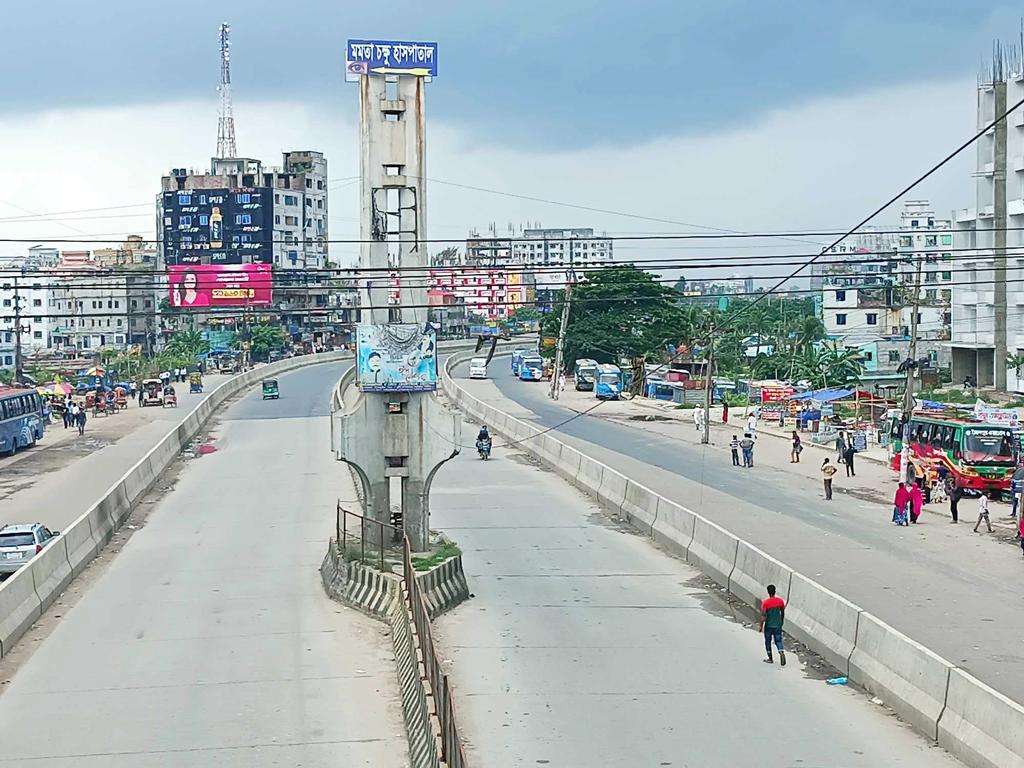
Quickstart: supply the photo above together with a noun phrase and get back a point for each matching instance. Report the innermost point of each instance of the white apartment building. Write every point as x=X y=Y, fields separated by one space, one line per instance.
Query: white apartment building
x=31 y=294
x=927 y=242
x=90 y=308
x=973 y=295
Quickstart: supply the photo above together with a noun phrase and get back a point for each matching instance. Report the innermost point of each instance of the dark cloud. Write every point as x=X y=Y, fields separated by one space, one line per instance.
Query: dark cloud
x=547 y=74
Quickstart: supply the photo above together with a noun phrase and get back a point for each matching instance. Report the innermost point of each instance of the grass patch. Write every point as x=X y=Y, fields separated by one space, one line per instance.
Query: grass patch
x=438 y=556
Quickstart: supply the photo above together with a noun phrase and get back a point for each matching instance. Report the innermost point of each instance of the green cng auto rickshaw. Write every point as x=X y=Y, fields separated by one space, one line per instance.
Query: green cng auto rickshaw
x=270 y=389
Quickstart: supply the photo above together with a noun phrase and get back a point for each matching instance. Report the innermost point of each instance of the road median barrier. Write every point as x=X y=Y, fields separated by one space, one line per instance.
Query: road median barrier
x=713 y=550
x=673 y=528
x=640 y=506
x=823 y=621
x=902 y=673
x=754 y=570
x=51 y=572
x=981 y=726
x=19 y=608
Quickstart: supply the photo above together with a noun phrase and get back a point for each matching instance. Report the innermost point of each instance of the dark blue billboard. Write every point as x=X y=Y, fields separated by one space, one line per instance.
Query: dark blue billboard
x=218 y=226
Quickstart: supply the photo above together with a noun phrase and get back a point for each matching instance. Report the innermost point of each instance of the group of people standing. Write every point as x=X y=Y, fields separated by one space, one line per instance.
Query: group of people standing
x=74 y=415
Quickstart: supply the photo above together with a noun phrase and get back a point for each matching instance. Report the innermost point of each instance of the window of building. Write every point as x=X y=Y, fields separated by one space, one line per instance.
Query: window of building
x=291 y=200
x=840 y=319
x=277 y=219
x=947 y=276
x=391 y=117
x=134 y=304
x=202 y=199
x=37 y=302
x=148 y=303
x=931 y=240
x=947 y=239
x=906 y=241
x=119 y=322
x=184 y=199
x=185 y=221
x=243 y=218
x=867 y=356
x=7 y=302
x=872 y=318
x=841 y=296
x=37 y=334
x=110 y=304
x=204 y=220
x=319 y=183
x=894 y=356
x=931 y=277
x=931 y=294
x=243 y=198
x=309 y=183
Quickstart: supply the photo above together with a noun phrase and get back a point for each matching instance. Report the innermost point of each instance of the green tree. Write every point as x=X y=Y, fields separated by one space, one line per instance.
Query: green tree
x=619 y=312
x=525 y=315
x=188 y=344
x=266 y=338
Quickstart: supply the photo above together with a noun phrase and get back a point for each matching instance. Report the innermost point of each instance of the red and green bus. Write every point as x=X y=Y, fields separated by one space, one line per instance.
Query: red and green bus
x=979 y=456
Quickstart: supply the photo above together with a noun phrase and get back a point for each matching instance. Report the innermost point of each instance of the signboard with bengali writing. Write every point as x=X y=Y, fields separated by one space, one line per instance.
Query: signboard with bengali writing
x=396 y=357
x=775 y=394
x=1007 y=417
x=216 y=285
x=389 y=57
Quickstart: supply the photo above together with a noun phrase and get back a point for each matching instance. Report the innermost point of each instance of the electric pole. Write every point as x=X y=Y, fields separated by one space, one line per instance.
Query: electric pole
x=999 y=242
x=708 y=358
x=560 y=344
x=18 y=363
x=908 y=393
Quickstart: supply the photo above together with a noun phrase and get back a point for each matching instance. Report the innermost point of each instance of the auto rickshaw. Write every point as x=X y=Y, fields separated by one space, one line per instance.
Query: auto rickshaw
x=270 y=389
x=170 y=397
x=152 y=392
x=120 y=397
x=195 y=382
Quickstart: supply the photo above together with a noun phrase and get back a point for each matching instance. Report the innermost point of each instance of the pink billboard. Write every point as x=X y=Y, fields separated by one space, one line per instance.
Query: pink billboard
x=220 y=285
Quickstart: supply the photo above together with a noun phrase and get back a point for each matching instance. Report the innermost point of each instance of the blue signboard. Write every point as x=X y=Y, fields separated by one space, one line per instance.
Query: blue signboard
x=390 y=57
x=396 y=357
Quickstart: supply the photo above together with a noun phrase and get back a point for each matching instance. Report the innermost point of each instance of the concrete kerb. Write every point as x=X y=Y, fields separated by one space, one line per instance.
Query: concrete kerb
x=19 y=608
x=51 y=572
x=753 y=571
x=640 y=506
x=713 y=550
x=904 y=674
x=673 y=528
x=81 y=543
x=823 y=621
x=981 y=726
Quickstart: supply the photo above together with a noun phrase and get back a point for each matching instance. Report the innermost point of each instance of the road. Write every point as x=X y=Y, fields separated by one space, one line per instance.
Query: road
x=585 y=646
x=64 y=475
x=209 y=641
x=942 y=585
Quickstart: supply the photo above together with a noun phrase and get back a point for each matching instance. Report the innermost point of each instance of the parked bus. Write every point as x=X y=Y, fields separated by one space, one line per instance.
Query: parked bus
x=608 y=382
x=21 y=419
x=531 y=368
x=979 y=456
x=583 y=373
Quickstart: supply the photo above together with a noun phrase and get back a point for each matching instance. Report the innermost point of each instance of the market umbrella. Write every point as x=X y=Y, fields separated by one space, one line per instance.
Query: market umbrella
x=59 y=388
x=95 y=371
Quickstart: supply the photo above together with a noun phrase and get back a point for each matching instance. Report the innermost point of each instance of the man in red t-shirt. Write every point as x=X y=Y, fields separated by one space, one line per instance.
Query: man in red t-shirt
x=773 y=614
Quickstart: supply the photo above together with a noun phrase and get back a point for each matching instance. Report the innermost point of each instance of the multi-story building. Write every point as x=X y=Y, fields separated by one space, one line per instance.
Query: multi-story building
x=999 y=205
x=241 y=212
x=548 y=253
x=927 y=243
x=712 y=290
x=868 y=256
x=89 y=305
x=24 y=299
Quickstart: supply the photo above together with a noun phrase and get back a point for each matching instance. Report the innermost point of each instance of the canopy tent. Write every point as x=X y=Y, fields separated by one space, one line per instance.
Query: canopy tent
x=823 y=395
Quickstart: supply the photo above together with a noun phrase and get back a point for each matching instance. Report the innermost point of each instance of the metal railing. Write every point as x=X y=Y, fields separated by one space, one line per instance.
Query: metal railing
x=364 y=531
x=452 y=751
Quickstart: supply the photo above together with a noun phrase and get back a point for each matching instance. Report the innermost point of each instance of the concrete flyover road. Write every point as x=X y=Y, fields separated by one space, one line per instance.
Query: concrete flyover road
x=65 y=474
x=208 y=640
x=585 y=646
x=943 y=586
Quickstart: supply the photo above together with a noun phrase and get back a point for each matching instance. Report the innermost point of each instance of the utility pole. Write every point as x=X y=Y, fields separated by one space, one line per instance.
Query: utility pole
x=999 y=249
x=18 y=363
x=560 y=344
x=709 y=358
x=908 y=393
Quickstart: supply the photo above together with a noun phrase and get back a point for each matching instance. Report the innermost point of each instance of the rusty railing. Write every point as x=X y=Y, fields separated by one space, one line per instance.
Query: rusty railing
x=452 y=751
x=358 y=533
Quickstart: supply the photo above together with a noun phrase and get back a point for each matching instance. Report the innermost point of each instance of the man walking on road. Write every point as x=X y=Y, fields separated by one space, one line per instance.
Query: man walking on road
x=80 y=420
x=828 y=469
x=983 y=512
x=752 y=424
x=747 y=446
x=773 y=614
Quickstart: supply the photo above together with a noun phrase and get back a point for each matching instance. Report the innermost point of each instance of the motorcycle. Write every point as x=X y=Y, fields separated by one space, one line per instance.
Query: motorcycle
x=483 y=448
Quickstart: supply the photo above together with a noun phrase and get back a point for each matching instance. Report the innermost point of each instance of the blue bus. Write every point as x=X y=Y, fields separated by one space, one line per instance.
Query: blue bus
x=21 y=420
x=531 y=368
x=608 y=382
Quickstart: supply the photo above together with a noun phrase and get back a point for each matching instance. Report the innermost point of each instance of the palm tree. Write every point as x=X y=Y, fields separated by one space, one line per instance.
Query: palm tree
x=188 y=344
x=841 y=366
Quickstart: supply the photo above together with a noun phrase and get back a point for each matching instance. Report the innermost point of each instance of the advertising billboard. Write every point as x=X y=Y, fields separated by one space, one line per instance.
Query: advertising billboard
x=389 y=57
x=218 y=226
x=396 y=357
x=220 y=285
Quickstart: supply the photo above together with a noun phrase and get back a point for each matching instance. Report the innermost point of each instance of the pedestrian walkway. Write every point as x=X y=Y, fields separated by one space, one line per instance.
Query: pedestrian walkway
x=585 y=646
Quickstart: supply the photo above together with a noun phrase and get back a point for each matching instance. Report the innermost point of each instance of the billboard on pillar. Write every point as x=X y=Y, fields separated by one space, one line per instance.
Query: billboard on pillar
x=396 y=357
x=389 y=57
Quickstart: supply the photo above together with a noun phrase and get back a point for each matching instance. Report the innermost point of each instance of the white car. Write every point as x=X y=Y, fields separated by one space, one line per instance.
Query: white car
x=478 y=368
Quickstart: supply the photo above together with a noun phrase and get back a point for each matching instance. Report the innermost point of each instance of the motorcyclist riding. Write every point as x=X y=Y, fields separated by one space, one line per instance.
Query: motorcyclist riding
x=483 y=442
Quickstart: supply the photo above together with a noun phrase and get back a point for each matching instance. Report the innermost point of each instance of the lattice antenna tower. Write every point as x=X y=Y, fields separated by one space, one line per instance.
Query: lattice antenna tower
x=226 y=118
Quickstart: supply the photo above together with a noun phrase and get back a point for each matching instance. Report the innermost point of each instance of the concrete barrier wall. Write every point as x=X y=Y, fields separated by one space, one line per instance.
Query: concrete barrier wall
x=976 y=723
x=823 y=621
x=754 y=571
x=981 y=726
x=904 y=674
x=713 y=550
x=34 y=587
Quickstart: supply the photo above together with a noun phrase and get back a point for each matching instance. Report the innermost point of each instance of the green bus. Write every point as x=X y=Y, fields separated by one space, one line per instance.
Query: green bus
x=979 y=456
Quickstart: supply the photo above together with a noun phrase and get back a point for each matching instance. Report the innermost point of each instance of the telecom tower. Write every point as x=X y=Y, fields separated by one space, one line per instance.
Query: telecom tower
x=226 y=118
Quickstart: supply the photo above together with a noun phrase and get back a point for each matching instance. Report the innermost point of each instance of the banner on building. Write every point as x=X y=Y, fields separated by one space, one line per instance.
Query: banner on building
x=389 y=57
x=220 y=285
x=1006 y=417
x=396 y=357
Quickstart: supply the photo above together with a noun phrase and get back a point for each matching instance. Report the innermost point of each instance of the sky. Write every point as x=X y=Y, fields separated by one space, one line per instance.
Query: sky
x=722 y=113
